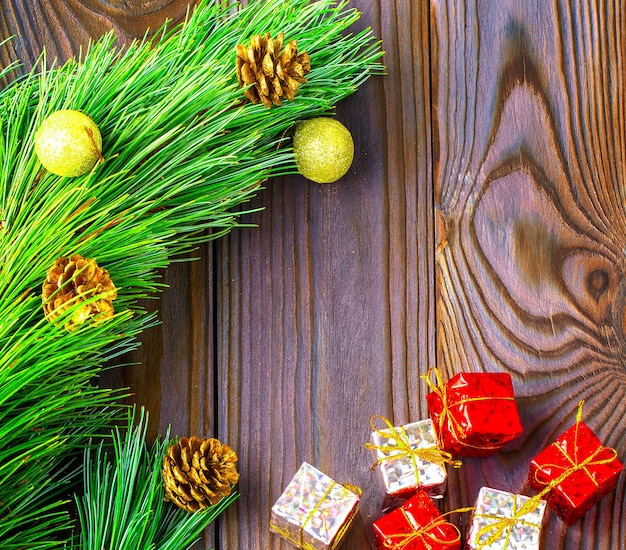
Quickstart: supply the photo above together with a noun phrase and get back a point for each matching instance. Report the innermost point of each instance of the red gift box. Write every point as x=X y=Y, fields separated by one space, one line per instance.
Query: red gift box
x=474 y=414
x=416 y=525
x=575 y=472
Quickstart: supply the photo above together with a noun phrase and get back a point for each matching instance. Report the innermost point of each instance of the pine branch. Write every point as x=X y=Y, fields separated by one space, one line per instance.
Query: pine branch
x=182 y=149
x=124 y=505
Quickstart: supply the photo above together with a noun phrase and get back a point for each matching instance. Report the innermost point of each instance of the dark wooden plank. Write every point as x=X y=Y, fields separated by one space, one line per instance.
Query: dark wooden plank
x=171 y=374
x=529 y=182
x=325 y=307
x=64 y=26
x=325 y=312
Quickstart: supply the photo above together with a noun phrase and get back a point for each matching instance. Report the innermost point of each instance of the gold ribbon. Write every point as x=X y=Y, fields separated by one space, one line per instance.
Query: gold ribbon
x=284 y=532
x=398 y=541
x=506 y=524
x=576 y=465
x=353 y=489
x=402 y=448
x=344 y=528
x=531 y=504
x=446 y=416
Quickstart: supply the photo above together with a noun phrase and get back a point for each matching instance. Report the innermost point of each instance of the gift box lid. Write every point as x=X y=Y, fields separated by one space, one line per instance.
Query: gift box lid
x=492 y=521
x=313 y=507
x=416 y=524
x=403 y=457
x=574 y=446
x=477 y=407
x=577 y=470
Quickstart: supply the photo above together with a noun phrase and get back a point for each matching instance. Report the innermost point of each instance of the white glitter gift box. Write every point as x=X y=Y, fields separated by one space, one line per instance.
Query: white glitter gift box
x=505 y=521
x=409 y=458
x=314 y=512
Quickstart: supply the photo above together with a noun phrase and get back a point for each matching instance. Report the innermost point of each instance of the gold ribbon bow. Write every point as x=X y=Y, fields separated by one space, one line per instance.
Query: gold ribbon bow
x=498 y=527
x=399 y=541
x=531 y=504
x=446 y=416
x=402 y=448
x=284 y=532
x=575 y=464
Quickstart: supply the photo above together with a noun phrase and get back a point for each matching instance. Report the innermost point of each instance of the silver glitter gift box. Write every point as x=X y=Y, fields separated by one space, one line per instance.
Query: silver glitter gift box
x=409 y=459
x=505 y=521
x=314 y=512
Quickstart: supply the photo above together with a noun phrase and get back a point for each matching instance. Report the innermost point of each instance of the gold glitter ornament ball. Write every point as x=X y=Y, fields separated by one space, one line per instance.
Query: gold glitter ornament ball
x=68 y=143
x=323 y=149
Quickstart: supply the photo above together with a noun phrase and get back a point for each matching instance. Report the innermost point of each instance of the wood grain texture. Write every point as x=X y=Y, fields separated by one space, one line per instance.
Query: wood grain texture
x=325 y=307
x=63 y=27
x=481 y=227
x=529 y=186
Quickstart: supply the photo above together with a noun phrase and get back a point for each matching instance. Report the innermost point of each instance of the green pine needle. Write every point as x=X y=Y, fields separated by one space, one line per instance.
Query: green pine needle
x=124 y=503
x=182 y=149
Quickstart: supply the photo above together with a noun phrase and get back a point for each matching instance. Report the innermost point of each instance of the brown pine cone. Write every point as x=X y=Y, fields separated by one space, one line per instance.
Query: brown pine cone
x=73 y=280
x=269 y=73
x=198 y=472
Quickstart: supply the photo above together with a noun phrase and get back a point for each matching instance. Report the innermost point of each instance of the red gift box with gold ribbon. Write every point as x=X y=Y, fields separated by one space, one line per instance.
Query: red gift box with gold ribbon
x=575 y=472
x=474 y=414
x=416 y=525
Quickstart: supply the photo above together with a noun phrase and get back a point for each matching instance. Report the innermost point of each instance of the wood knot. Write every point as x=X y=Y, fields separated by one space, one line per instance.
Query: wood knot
x=597 y=283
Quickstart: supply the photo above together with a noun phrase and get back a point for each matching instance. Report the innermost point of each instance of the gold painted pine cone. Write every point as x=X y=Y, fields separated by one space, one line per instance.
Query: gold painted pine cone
x=198 y=472
x=73 y=280
x=270 y=73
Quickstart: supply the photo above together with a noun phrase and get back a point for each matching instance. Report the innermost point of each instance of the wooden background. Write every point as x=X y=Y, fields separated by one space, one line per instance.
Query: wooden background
x=482 y=227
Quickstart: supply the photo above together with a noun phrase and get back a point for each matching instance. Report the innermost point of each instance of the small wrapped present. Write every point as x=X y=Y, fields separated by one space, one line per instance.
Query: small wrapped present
x=409 y=458
x=505 y=521
x=474 y=414
x=416 y=525
x=575 y=471
x=314 y=512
